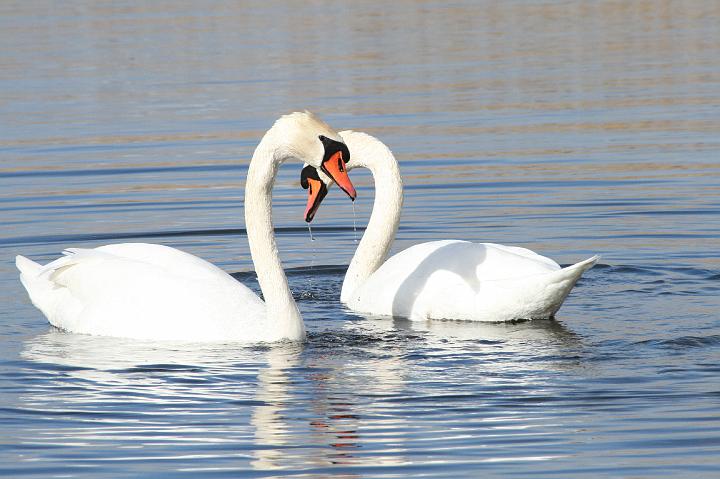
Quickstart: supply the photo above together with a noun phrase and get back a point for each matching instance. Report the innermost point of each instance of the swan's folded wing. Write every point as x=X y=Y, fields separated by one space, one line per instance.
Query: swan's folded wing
x=171 y=259
x=101 y=293
x=463 y=280
x=542 y=262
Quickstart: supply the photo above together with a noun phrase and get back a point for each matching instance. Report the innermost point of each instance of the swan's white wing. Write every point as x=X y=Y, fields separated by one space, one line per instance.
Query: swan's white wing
x=463 y=280
x=499 y=260
x=171 y=259
x=144 y=291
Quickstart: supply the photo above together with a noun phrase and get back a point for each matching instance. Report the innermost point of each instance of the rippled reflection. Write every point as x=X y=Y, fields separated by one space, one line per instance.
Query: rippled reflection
x=118 y=355
x=269 y=417
x=339 y=400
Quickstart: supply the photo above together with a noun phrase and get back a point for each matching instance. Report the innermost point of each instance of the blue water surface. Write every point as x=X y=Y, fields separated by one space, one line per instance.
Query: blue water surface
x=571 y=128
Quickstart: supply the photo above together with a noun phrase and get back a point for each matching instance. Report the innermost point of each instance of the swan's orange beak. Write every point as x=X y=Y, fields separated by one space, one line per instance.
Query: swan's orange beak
x=334 y=167
x=316 y=192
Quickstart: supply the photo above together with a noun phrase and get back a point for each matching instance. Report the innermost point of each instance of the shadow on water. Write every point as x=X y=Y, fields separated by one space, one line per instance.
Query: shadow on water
x=451 y=335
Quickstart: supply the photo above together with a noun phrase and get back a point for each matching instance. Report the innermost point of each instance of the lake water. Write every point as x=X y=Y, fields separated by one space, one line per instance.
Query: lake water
x=571 y=128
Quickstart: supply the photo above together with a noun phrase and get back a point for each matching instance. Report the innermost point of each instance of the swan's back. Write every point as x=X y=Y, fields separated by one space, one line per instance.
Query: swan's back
x=142 y=291
x=173 y=260
x=464 y=280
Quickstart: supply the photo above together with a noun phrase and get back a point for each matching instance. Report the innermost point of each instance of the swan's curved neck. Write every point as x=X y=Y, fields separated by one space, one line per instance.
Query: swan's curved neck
x=371 y=153
x=283 y=315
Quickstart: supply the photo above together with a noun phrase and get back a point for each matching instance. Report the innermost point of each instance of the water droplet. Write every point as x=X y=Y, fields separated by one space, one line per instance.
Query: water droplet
x=354 y=224
x=311 y=282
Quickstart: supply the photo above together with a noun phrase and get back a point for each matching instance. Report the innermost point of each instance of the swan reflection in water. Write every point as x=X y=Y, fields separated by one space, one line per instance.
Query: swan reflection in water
x=308 y=412
x=339 y=399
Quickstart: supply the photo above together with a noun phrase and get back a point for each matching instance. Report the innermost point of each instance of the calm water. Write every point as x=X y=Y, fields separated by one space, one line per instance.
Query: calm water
x=571 y=128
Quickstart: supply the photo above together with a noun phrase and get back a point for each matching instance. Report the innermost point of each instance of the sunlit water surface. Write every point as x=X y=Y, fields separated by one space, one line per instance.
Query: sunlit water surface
x=571 y=128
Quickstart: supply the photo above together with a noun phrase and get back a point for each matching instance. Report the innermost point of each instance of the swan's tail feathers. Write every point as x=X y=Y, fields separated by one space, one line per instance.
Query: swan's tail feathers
x=38 y=287
x=583 y=266
x=29 y=274
x=47 y=293
x=571 y=274
x=565 y=279
x=27 y=267
x=556 y=286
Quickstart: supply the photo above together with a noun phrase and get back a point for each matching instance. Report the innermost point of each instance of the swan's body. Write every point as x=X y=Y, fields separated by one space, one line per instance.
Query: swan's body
x=148 y=291
x=143 y=291
x=443 y=279
x=454 y=279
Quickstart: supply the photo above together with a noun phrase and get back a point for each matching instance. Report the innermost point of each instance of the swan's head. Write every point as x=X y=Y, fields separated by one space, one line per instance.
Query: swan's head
x=316 y=182
x=368 y=152
x=308 y=138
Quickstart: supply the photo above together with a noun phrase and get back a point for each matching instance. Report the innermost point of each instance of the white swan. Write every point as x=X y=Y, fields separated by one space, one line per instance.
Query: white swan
x=449 y=279
x=148 y=291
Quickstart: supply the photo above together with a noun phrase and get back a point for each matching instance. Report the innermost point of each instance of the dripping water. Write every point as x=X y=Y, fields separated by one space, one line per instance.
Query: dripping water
x=354 y=224
x=311 y=283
